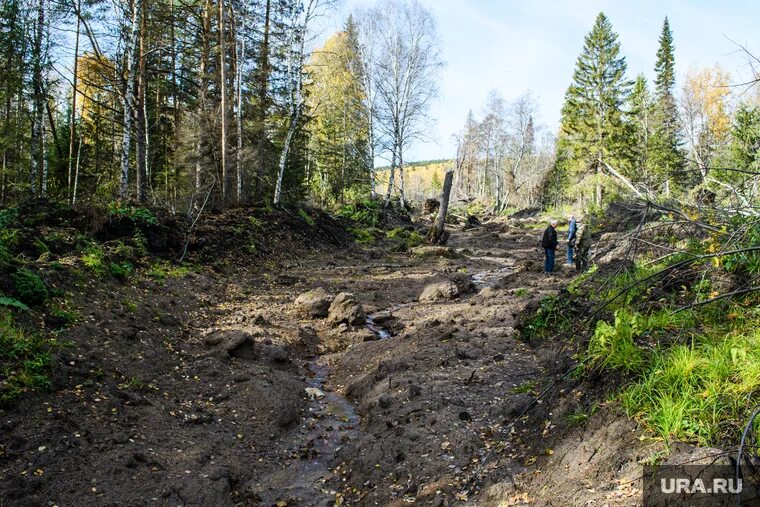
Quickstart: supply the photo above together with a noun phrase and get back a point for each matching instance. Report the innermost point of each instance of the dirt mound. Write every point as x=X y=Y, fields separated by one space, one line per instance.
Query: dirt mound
x=278 y=234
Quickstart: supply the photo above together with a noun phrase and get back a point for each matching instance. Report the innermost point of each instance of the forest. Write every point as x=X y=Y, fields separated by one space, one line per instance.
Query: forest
x=227 y=277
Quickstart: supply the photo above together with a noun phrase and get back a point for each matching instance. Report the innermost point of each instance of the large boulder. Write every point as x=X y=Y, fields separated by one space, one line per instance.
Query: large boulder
x=439 y=291
x=313 y=304
x=346 y=309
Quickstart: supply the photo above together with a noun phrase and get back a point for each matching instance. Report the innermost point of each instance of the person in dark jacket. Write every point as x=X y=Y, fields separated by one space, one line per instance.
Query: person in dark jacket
x=549 y=244
x=571 y=230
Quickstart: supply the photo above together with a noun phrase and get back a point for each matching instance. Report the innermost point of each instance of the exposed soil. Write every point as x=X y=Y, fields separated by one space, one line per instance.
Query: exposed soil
x=212 y=389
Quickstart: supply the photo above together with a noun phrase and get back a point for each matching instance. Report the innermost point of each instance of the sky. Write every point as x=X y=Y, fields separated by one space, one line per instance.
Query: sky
x=516 y=46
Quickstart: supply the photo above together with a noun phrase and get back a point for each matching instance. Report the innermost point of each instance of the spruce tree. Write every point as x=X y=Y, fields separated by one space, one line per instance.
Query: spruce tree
x=666 y=156
x=592 y=117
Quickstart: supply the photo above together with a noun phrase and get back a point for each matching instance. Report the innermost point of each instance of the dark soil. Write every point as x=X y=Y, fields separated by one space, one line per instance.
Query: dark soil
x=208 y=388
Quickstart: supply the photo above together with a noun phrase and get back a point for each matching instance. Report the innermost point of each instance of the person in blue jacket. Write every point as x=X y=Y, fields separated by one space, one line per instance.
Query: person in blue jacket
x=571 y=230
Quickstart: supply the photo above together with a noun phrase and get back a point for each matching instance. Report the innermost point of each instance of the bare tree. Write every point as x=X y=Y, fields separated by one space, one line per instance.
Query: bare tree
x=408 y=61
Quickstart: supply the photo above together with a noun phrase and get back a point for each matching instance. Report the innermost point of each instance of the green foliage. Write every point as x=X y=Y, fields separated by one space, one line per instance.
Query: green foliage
x=404 y=238
x=40 y=246
x=160 y=271
x=362 y=235
x=613 y=346
x=367 y=212
x=10 y=302
x=550 y=319
x=24 y=361
x=306 y=217
x=129 y=305
x=68 y=316
x=121 y=270
x=136 y=214
x=701 y=392
x=256 y=223
x=8 y=217
x=595 y=98
x=29 y=287
x=93 y=258
x=526 y=387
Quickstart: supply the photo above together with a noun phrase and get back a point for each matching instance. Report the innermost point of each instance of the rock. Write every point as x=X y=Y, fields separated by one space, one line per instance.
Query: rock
x=314 y=394
x=346 y=309
x=313 y=304
x=440 y=291
x=384 y=401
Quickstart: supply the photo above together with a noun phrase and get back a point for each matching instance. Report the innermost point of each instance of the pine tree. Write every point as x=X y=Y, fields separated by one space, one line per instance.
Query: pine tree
x=592 y=117
x=640 y=125
x=667 y=157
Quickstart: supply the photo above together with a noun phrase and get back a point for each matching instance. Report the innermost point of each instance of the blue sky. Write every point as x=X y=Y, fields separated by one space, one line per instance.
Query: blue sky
x=515 y=46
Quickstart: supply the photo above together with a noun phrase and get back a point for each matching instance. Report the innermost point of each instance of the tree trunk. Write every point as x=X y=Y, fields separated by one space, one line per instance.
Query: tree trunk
x=76 y=174
x=284 y=155
x=402 y=187
x=391 y=179
x=129 y=100
x=239 y=57
x=263 y=85
x=73 y=116
x=205 y=51
x=142 y=120
x=437 y=234
x=38 y=119
x=223 y=104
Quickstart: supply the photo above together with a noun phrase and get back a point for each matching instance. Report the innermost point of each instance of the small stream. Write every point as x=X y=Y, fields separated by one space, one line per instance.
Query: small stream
x=331 y=422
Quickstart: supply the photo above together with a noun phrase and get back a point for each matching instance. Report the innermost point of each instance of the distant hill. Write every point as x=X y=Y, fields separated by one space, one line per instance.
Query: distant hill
x=423 y=178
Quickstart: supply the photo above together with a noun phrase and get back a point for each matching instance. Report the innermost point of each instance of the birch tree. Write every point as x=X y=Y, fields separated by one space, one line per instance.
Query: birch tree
x=302 y=15
x=128 y=97
x=408 y=61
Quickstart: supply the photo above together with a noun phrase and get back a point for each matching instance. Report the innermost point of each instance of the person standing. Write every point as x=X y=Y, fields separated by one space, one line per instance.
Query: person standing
x=571 y=230
x=582 y=247
x=549 y=244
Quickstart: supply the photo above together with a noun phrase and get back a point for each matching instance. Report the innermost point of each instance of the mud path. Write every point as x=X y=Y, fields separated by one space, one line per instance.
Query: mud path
x=210 y=389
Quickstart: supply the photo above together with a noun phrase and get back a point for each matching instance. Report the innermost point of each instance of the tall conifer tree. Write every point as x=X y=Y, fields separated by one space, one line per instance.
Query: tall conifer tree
x=592 y=117
x=667 y=157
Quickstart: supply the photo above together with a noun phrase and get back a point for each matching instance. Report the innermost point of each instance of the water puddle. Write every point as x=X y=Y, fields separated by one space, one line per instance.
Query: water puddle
x=485 y=278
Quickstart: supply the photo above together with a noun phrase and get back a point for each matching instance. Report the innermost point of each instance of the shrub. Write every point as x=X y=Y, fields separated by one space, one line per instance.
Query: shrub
x=30 y=288
x=135 y=214
x=367 y=212
x=93 y=258
x=121 y=270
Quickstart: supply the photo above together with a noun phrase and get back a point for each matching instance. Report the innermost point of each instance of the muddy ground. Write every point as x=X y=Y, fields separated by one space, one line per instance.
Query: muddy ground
x=214 y=388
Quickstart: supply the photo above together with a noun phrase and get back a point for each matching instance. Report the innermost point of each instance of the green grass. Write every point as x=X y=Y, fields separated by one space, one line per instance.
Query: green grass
x=160 y=271
x=24 y=360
